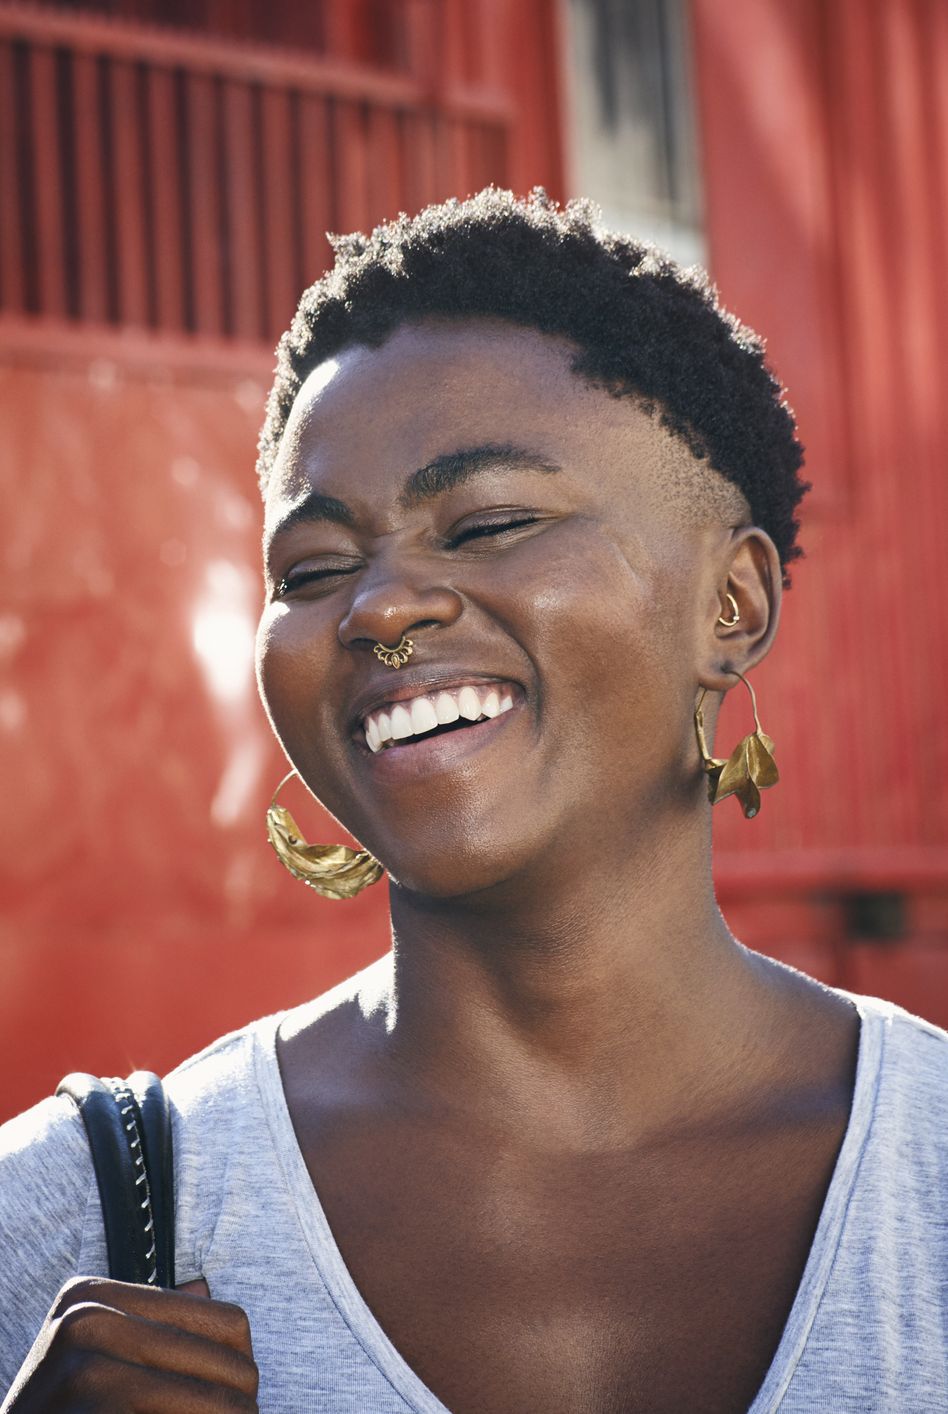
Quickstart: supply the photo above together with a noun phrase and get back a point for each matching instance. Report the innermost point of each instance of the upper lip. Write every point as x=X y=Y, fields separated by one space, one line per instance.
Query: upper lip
x=420 y=683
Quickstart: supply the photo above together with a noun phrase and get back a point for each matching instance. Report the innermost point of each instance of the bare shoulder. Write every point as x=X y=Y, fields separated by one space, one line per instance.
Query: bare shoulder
x=814 y=1028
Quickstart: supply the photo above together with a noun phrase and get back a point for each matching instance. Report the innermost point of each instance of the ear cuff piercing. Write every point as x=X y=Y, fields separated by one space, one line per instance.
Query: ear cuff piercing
x=729 y=623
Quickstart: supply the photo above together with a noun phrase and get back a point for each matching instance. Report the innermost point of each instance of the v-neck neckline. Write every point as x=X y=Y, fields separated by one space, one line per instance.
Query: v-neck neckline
x=355 y=1311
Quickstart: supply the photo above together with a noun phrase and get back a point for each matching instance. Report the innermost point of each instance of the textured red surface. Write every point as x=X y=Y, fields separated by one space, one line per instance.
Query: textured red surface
x=825 y=137
x=141 y=910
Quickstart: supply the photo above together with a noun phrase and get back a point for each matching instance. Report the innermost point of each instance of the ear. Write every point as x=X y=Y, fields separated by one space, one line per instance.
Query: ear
x=750 y=571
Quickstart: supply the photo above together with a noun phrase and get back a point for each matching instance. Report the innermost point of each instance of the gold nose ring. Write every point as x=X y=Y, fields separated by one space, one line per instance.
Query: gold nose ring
x=397 y=656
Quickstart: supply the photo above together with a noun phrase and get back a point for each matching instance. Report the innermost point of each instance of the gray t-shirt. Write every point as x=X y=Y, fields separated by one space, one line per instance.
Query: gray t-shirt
x=868 y=1331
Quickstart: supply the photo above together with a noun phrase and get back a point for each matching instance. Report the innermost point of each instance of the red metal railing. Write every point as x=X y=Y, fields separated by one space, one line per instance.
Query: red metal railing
x=172 y=182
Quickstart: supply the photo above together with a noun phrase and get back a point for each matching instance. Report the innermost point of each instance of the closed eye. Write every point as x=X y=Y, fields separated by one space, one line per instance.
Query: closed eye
x=493 y=527
x=296 y=581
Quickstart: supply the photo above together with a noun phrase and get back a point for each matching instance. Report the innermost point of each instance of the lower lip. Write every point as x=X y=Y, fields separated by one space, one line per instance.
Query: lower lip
x=437 y=753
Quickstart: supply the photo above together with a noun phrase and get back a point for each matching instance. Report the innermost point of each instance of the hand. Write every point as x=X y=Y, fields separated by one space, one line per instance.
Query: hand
x=111 y=1346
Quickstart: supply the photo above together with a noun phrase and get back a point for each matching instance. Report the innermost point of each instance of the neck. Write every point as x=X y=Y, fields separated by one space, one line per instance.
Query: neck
x=590 y=997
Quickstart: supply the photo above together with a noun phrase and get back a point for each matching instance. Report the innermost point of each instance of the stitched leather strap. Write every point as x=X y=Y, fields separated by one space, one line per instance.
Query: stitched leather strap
x=155 y=1129
x=129 y=1134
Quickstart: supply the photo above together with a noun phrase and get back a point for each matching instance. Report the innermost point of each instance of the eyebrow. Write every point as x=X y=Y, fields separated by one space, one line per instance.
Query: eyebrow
x=314 y=507
x=449 y=471
x=429 y=481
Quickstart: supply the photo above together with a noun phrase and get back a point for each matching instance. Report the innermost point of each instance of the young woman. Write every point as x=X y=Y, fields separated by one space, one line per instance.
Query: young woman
x=529 y=508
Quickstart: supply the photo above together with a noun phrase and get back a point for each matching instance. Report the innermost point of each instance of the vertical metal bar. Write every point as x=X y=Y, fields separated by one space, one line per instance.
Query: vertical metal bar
x=47 y=158
x=129 y=190
x=90 y=190
x=204 y=181
x=470 y=24
x=166 y=180
x=419 y=21
x=278 y=210
x=351 y=163
x=342 y=29
x=386 y=185
x=936 y=57
x=12 y=283
x=885 y=187
x=492 y=19
x=452 y=57
x=498 y=149
x=450 y=158
x=243 y=229
x=314 y=182
x=852 y=117
x=419 y=163
x=933 y=23
x=916 y=287
x=485 y=155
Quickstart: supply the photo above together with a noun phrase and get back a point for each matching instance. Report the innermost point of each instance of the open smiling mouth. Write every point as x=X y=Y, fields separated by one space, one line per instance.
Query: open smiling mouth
x=435 y=714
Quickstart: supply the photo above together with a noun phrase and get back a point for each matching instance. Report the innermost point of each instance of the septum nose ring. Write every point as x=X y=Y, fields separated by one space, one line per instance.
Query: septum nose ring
x=397 y=656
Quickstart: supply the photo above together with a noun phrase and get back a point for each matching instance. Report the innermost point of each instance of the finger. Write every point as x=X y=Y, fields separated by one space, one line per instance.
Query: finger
x=106 y=1383
x=102 y=1330
x=214 y=1320
x=198 y=1287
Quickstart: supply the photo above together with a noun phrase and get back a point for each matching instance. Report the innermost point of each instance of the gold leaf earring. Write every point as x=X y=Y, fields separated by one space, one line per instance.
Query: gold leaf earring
x=749 y=769
x=333 y=870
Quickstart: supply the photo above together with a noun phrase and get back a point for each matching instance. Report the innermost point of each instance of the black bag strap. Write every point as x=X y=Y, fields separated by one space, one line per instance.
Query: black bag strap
x=128 y=1125
x=155 y=1129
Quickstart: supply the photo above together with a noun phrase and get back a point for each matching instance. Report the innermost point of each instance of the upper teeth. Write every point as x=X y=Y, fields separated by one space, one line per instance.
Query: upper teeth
x=398 y=720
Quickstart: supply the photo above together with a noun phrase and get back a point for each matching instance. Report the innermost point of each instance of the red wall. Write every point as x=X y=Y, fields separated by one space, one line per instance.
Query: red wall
x=141 y=909
x=825 y=133
x=165 y=198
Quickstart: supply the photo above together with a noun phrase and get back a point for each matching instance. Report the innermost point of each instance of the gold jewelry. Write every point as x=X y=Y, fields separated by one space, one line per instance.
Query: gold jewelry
x=729 y=623
x=749 y=769
x=333 y=870
x=397 y=656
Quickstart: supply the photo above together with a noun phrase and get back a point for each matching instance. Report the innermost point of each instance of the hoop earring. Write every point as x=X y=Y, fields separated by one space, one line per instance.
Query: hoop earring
x=749 y=769
x=333 y=870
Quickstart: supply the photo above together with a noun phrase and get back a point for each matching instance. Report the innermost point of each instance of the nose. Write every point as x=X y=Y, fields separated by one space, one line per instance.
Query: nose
x=390 y=602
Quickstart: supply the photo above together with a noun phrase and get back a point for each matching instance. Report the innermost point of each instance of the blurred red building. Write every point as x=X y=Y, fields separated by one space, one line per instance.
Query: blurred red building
x=167 y=175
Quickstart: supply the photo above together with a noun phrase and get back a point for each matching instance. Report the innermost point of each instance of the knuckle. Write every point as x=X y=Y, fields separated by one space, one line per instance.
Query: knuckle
x=77 y=1324
x=78 y=1289
x=236 y=1318
x=82 y=1371
x=249 y=1377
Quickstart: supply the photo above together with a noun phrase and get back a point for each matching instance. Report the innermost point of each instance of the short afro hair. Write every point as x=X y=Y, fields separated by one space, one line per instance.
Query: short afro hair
x=644 y=327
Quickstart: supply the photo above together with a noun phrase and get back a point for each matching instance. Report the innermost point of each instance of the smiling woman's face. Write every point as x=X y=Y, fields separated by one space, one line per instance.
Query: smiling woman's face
x=549 y=563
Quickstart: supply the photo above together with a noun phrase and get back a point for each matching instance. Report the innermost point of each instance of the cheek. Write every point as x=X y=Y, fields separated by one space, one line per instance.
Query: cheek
x=592 y=616
x=292 y=668
x=600 y=629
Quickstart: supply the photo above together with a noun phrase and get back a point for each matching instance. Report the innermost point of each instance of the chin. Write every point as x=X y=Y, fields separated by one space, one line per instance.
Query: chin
x=457 y=872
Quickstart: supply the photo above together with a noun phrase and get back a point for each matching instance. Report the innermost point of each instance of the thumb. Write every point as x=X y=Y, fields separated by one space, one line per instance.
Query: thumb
x=195 y=1288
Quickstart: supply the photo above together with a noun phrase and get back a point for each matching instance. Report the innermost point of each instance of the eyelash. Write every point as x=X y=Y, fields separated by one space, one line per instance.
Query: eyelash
x=296 y=581
x=492 y=527
x=473 y=532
